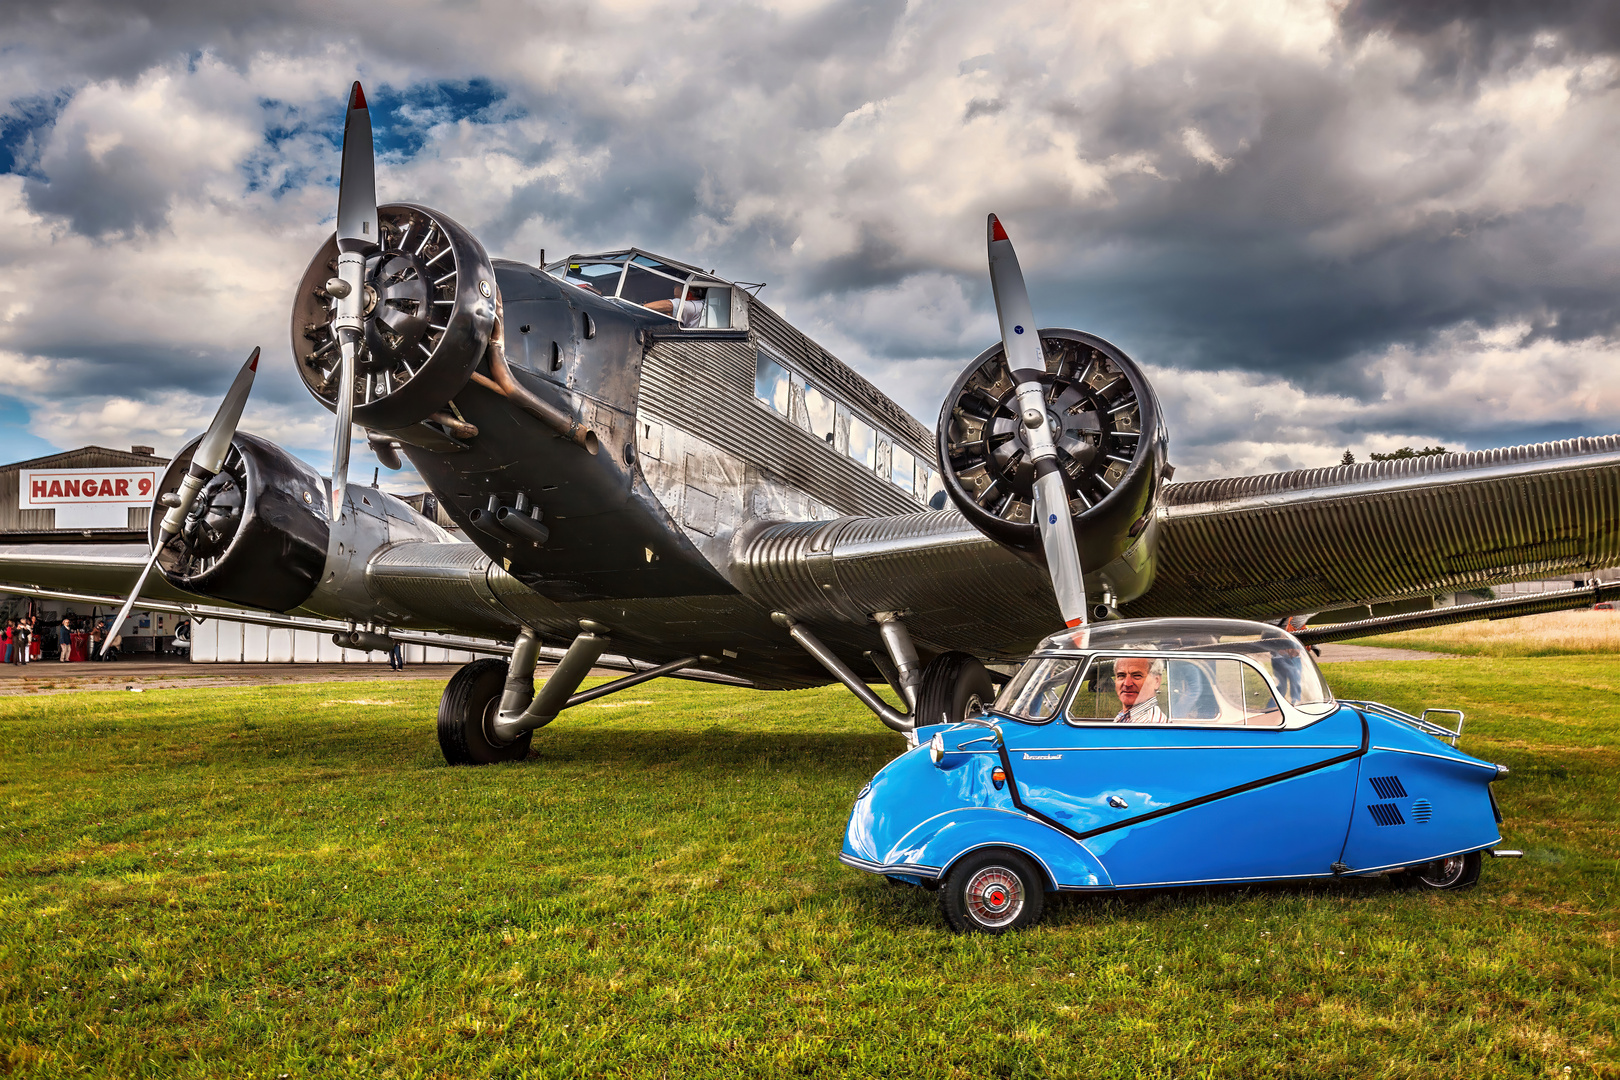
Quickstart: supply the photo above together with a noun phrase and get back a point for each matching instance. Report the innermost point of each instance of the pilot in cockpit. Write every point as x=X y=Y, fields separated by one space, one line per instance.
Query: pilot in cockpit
x=690 y=311
x=1136 y=684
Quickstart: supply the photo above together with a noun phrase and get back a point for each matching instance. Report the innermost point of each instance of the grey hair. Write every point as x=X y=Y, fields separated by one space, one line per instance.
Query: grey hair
x=1155 y=665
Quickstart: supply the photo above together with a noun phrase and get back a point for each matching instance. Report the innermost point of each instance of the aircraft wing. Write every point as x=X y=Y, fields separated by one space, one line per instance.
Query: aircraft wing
x=1257 y=547
x=86 y=568
x=1265 y=546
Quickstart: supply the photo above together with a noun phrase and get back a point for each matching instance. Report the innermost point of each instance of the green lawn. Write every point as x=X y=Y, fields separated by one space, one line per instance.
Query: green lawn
x=289 y=882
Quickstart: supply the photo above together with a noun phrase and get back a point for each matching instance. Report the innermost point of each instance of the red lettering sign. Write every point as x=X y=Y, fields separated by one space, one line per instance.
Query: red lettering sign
x=37 y=489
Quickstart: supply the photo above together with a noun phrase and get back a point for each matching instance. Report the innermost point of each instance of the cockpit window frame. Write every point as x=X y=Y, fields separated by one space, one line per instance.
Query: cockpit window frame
x=657 y=265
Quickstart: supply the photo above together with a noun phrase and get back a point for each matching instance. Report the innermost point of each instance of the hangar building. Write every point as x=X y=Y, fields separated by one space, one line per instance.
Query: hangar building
x=96 y=495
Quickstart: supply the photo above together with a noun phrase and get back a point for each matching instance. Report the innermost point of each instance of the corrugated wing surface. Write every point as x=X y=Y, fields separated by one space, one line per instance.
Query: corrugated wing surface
x=1324 y=538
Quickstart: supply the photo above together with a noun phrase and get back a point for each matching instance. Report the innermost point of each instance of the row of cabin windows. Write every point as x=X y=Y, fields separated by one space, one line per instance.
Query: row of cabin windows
x=818 y=412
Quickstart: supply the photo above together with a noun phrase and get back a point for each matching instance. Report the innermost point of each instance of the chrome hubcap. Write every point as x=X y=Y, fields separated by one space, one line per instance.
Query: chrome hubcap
x=1443 y=872
x=995 y=896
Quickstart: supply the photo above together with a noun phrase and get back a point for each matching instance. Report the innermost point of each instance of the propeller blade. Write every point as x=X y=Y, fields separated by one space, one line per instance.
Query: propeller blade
x=1021 y=340
x=357 y=237
x=357 y=183
x=206 y=461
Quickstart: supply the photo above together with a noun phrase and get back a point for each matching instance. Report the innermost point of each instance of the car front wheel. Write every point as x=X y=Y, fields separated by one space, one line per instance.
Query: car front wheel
x=992 y=892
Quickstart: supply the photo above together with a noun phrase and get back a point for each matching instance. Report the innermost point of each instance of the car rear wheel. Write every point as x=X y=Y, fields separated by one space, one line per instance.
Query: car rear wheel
x=992 y=892
x=1452 y=872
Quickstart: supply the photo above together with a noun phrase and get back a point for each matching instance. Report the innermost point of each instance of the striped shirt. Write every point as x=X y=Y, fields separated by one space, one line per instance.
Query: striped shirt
x=1147 y=712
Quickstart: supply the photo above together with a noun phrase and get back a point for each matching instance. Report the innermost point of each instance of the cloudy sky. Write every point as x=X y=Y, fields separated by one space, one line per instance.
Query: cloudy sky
x=1318 y=225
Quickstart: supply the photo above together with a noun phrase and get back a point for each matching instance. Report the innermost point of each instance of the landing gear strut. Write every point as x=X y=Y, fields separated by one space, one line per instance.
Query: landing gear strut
x=490 y=709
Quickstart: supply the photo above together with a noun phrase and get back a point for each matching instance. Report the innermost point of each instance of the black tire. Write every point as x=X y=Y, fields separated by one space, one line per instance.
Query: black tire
x=952 y=684
x=1455 y=872
x=994 y=891
x=468 y=705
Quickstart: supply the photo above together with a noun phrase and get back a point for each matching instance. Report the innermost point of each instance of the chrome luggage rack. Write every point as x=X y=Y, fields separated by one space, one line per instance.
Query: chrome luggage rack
x=1422 y=723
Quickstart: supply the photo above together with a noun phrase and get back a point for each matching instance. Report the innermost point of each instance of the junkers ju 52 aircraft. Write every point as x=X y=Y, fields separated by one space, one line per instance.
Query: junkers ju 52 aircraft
x=652 y=463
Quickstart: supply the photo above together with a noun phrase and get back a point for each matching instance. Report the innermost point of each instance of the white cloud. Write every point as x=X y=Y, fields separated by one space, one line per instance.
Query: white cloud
x=1312 y=238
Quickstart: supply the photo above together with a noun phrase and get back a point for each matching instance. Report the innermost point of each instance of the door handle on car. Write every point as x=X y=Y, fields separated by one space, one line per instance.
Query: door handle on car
x=1116 y=802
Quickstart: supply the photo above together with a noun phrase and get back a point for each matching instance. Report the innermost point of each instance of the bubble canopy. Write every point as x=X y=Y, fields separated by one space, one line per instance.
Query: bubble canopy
x=1285 y=663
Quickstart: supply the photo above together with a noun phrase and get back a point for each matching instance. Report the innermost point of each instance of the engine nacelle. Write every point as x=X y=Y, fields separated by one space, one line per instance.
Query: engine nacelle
x=258 y=533
x=1111 y=444
x=429 y=309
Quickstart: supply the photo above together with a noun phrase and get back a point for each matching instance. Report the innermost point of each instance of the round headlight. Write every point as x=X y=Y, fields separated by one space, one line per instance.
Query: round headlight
x=936 y=747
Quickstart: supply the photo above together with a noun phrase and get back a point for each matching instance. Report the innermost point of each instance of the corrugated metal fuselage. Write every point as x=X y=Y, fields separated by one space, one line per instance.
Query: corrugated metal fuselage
x=642 y=533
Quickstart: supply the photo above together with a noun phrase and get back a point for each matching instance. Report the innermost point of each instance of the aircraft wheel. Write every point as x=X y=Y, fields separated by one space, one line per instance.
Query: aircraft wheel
x=468 y=705
x=992 y=892
x=954 y=685
x=1453 y=872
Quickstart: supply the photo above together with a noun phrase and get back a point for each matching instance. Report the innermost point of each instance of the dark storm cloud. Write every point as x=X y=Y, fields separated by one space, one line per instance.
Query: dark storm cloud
x=1461 y=39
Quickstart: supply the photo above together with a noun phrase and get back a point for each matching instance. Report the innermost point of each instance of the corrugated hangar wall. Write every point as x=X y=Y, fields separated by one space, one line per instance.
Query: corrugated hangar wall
x=217 y=641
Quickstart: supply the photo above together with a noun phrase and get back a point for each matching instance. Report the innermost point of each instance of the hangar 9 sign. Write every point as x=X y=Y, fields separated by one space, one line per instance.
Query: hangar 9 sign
x=87 y=498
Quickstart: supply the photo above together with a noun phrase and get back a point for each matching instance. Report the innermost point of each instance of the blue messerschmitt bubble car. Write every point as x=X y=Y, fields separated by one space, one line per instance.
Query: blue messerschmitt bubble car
x=1166 y=752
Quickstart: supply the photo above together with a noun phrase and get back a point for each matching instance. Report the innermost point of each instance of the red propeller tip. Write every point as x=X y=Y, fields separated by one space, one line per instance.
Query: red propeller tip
x=253 y=361
x=357 y=96
x=996 y=231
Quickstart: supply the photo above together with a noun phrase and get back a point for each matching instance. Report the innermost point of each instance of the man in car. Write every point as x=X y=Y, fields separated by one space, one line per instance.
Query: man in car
x=1136 y=684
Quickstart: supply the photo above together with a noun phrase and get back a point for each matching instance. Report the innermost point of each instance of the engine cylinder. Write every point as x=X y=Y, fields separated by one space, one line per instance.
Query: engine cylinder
x=1105 y=420
x=258 y=532
x=429 y=309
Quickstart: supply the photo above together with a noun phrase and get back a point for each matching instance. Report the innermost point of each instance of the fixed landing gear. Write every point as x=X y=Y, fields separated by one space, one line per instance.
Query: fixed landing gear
x=954 y=685
x=490 y=709
x=467 y=713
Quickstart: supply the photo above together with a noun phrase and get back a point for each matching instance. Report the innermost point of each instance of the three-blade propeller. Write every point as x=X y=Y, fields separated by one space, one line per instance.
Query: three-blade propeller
x=356 y=239
x=1027 y=361
x=206 y=461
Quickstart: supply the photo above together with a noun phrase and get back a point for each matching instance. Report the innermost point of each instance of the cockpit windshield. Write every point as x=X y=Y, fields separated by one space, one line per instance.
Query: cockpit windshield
x=692 y=299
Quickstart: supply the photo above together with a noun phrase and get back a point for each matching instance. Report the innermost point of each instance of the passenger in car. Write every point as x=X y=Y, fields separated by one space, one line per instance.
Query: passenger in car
x=1136 y=684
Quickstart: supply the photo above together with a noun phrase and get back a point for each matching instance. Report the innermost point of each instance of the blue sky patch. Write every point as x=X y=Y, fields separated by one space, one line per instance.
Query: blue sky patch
x=19 y=122
x=400 y=118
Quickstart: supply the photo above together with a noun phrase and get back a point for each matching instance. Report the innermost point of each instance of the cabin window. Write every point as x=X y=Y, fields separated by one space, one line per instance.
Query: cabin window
x=862 y=442
x=929 y=484
x=819 y=413
x=885 y=450
x=905 y=470
x=771 y=383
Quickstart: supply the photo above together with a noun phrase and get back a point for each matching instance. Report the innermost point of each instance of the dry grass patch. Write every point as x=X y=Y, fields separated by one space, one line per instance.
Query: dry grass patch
x=1557 y=633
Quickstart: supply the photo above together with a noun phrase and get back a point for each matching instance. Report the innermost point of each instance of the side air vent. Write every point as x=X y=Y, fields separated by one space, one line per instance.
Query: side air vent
x=1388 y=787
x=1422 y=811
x=1386 y=813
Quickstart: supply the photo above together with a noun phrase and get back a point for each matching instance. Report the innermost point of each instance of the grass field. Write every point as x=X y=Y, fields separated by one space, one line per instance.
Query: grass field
x=1558 y=633
x=289 y=883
